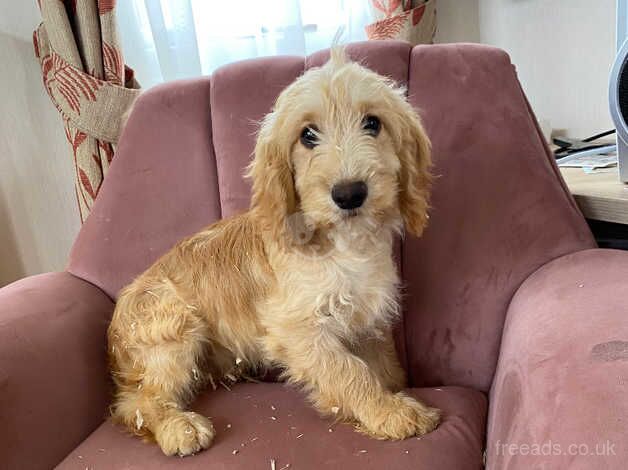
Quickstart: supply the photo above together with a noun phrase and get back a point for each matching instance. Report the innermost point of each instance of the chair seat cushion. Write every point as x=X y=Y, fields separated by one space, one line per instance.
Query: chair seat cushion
x=273 y=421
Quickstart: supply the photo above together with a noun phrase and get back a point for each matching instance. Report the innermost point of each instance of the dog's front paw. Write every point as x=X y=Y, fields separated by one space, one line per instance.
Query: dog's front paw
x=184 y=433
x=401 y=417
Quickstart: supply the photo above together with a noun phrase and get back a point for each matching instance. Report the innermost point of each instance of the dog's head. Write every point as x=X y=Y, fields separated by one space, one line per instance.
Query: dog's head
x=342 y=147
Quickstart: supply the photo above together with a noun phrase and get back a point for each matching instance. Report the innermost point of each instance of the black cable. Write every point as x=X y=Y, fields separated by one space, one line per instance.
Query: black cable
x=564 y=151
x=599 y=136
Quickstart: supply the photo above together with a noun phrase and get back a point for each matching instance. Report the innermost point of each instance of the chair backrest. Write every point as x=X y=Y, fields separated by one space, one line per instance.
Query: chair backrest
x=500 y=208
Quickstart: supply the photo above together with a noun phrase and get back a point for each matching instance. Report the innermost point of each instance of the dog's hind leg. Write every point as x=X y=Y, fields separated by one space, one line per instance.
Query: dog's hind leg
x=158 y=346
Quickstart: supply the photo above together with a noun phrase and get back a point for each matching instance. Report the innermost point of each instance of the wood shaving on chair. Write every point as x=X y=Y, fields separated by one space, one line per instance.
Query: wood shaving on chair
x=231 y=377
x=139 y=419
x=211 y=381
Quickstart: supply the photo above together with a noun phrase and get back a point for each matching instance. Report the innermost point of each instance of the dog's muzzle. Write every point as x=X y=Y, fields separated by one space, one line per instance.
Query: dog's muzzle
x=349 y=195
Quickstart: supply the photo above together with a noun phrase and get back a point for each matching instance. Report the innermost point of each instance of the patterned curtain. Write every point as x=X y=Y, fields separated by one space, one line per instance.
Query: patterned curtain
x=408 y=20
x=83 y=71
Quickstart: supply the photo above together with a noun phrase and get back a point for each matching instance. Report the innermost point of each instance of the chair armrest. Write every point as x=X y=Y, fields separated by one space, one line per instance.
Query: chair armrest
x=53 y=372
x=559 y=397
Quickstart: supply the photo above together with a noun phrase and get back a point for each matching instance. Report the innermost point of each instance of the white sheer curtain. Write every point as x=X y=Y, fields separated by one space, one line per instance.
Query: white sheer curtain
x=170 y=39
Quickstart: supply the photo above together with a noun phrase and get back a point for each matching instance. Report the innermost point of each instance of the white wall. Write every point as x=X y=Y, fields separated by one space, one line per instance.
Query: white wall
x=458 y=21
x=563 y=51
x=38 y=215
x=19 y=19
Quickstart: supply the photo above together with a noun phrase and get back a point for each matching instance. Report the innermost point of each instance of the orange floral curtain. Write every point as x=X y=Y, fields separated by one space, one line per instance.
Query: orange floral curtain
x=83 y=71
x=408 y=20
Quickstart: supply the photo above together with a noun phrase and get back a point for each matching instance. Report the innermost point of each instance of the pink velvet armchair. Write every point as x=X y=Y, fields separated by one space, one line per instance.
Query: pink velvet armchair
x=514 y=323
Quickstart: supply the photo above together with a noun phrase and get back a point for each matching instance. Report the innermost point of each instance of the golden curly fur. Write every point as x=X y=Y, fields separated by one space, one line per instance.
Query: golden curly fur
x=295 y=282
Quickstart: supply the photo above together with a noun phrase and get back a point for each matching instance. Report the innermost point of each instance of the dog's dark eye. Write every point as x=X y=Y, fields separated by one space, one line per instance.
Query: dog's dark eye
x=308 y=137
x=371 y=125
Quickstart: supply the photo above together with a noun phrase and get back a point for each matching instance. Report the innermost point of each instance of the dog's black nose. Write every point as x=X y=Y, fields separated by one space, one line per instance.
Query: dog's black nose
x=349 y=195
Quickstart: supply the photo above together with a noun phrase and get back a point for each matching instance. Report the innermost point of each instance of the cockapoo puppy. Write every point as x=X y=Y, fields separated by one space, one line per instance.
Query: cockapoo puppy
x=304 y=281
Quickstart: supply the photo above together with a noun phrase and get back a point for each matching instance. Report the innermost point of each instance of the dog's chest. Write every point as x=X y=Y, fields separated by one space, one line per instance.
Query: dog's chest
x=348 y=291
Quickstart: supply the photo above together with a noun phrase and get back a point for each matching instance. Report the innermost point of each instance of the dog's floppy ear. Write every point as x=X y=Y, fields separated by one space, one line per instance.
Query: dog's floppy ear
x=415 y=179
x=273 y=195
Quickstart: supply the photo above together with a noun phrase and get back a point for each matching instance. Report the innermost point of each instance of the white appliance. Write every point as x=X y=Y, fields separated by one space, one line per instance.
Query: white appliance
x=618 y=89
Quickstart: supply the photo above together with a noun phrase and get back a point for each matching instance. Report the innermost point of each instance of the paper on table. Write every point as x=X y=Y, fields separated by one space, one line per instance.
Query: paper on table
x=588 y=161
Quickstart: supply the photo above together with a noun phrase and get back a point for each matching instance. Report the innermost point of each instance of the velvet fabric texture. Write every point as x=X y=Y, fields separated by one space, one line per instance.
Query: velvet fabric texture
x=297 y=436
x=560 y=386
x=53 y=373
x=505 y=243
x=163 y=188
x=499 y=211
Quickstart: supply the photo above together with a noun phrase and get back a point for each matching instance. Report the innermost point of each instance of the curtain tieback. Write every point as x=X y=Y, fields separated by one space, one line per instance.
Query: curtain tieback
x=82 y=98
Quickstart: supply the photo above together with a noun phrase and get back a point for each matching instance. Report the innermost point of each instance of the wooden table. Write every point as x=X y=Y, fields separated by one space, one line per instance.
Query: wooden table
x=600 y=195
